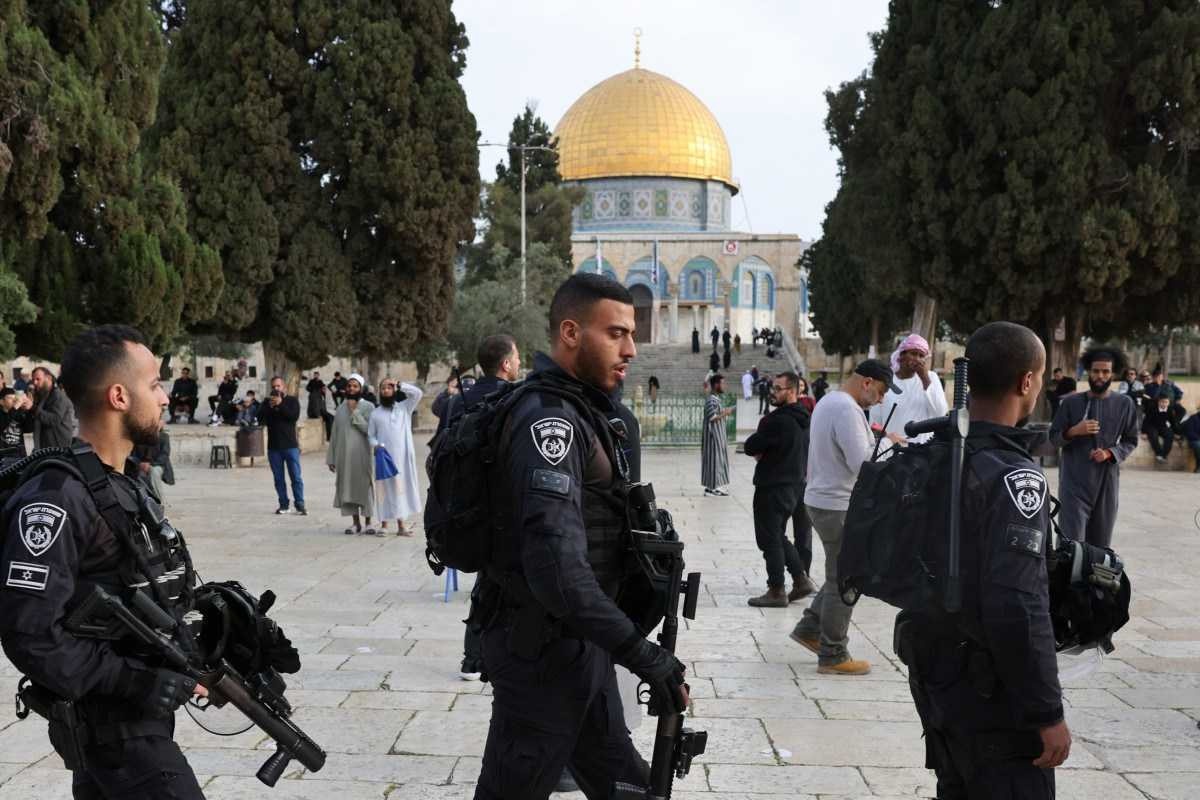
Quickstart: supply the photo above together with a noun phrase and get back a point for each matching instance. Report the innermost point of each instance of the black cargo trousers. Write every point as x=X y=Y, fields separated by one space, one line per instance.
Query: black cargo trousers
x=561 y=708
x=134 y=760
x=969 y=764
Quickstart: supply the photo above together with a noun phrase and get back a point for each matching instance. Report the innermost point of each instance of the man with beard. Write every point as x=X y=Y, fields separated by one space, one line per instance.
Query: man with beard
x=780 y=446
x=53 y=415
x=63 y=533
x=555 y=631
x=922 y=394
x=14 y=422
x=349 y=455
x=1096 y=430
x=389 y=429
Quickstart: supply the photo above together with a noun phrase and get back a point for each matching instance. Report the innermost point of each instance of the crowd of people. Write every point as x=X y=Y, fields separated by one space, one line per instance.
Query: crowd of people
x=547 y=625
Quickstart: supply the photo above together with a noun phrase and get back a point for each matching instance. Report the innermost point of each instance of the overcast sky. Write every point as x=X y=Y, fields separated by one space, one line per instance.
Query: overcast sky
x=760 y=66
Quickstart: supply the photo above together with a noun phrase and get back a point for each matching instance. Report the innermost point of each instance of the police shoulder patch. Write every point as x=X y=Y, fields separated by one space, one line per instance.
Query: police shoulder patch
x=553 y=437
x=41 y=523
x=1027 y=488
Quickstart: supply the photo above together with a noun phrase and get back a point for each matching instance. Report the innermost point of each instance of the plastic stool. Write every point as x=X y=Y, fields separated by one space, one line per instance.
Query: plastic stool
x=451 y=578
x=219 y=457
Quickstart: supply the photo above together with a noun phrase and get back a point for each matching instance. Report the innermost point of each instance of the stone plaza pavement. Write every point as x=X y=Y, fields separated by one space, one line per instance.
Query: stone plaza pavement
x=380 y=689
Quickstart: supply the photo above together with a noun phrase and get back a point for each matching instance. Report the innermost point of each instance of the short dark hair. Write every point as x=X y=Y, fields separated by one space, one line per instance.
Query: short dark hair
x=250 y=393
x=6 y=391
x=1000 y=353
x=1105 y=353
x=276 y=378
x=185 y=369
x=493 y=350
x=1058 y=369
x=90 y=358
x=579 y=293
x=790 y=379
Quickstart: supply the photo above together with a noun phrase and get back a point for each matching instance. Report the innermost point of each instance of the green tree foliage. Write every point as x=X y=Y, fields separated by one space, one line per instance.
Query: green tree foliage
x=1039 y=158
x=93 y=234
x=861 y=263
x=329 y=157
x=492 y=305
x=548 y=204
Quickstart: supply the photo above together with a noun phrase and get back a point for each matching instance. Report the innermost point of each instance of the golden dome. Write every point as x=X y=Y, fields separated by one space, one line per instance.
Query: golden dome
x=641 y=123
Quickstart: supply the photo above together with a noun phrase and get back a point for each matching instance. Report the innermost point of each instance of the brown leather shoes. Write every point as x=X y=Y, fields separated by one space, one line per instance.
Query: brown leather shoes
x=801 y=588
x=775 y=597
x=850 y=666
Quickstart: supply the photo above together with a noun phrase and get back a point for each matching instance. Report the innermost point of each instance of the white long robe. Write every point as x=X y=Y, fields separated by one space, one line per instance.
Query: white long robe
x=398 y=497
x=917 y=403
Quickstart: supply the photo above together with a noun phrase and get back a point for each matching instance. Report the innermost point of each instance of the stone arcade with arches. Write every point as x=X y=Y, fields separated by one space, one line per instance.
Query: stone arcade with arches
x=658 y=186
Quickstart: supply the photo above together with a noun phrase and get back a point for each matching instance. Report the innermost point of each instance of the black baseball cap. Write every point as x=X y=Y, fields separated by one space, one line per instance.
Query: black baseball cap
x=874 y=368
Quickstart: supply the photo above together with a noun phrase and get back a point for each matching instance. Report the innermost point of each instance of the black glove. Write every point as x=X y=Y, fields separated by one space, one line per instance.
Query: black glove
x=659 y=669
x=277 y=649
x=158 y=691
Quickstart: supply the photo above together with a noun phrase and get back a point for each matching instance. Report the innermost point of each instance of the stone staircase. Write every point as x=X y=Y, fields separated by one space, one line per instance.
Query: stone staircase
x=680 y=371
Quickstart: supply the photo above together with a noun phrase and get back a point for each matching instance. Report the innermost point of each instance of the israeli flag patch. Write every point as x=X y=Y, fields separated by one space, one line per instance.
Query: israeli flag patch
x=27 y=576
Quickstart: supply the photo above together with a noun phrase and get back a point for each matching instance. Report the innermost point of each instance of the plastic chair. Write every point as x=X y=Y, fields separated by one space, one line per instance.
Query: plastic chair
x=451 y=579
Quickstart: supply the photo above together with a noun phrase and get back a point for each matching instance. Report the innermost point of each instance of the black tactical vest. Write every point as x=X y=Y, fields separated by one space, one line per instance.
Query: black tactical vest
x=151 y=557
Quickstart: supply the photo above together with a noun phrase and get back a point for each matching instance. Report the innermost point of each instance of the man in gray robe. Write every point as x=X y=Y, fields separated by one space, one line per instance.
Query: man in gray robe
x=714 y=448
x=350 y=456
x=1096 y=430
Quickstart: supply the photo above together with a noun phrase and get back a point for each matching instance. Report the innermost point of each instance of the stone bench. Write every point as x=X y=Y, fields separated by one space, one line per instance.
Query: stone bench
x=1181 y=458
x=192 y=444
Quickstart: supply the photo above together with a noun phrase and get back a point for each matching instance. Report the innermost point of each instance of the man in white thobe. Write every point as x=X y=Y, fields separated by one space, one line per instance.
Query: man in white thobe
x=747 y=385
x=923 y=396
x=390 y=429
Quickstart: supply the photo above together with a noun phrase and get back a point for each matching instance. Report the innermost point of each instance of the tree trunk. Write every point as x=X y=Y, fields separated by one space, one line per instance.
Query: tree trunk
x=924 y=322
x=164 y=368
x=277 y=363
x=1167 y=352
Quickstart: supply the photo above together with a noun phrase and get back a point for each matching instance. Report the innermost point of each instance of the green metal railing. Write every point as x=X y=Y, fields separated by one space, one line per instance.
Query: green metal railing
x=677 y=420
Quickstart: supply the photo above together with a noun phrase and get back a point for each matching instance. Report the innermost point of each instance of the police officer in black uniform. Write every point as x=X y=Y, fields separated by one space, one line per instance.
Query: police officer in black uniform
x=552 y=642
x=986 y=681
x=82 y=523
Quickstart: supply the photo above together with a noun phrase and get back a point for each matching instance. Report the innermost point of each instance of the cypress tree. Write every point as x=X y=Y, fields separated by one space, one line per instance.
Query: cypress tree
x=94 y=234
x=329 y=156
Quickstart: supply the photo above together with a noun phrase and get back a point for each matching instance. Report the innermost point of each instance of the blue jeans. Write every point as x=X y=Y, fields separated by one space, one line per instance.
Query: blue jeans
x=291 y=458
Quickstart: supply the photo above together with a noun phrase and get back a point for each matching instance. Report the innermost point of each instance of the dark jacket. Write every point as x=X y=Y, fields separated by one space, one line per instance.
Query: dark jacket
x=158 y=455
x=185 y=388
x=1005 y=539
x=782 y=441
x=13 y=425
x=280 y=422
x=1191 y=428
x=53 y=420
x=568 y=533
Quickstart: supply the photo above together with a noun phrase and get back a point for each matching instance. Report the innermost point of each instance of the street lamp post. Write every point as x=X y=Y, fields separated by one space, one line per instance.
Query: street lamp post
x=522 y=148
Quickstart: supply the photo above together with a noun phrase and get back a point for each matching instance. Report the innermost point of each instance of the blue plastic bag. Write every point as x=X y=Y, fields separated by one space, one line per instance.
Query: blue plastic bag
x=385 y=467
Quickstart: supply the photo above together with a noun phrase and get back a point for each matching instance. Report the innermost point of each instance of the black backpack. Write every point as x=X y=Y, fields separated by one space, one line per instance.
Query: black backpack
x=465 y=511
x=887 y=550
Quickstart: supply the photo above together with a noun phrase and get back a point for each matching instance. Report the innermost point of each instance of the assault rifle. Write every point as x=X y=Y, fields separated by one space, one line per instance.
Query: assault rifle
x=661 y=554
x=956 y=425
x=260 y=698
